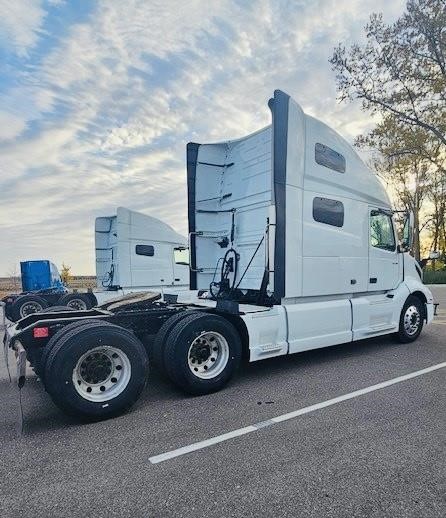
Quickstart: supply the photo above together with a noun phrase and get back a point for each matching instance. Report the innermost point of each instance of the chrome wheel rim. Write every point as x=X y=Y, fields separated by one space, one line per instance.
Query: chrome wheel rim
x=208 y=355
x=101 y=374
x=29 y=308
x=77 y=304
x=412 y=320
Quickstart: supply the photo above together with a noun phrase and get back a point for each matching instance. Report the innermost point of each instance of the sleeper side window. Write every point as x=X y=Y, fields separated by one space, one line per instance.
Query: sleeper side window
x=330 y=212
x=147 y=250
x=381 y=231
x=329 y=158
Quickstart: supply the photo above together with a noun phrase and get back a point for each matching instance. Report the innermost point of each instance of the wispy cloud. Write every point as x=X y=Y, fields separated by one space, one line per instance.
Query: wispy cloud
x=98 y=114
x=20 y=24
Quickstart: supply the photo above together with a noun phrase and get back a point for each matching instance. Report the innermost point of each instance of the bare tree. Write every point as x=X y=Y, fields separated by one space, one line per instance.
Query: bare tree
x=411 y=163
x=14 y=276
x=400 y=74
x=401 y=70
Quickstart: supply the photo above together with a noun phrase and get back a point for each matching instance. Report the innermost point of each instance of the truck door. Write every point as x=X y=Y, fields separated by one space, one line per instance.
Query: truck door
x=384 y=270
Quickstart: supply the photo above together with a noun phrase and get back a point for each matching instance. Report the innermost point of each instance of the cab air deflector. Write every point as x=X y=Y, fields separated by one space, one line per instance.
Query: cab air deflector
x=279 y=108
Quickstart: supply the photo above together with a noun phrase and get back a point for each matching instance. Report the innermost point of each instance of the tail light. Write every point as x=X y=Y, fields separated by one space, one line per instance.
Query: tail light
x=41 y=332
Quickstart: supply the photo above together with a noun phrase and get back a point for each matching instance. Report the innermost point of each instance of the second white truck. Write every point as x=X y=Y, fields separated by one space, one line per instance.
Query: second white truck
x=134 y=252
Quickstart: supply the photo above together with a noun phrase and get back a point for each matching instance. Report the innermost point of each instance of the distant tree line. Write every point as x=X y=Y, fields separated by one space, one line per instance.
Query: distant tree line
x=399 y=76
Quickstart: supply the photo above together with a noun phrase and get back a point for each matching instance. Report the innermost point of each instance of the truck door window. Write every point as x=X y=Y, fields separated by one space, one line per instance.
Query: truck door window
x=381 y=231
x=181 y=255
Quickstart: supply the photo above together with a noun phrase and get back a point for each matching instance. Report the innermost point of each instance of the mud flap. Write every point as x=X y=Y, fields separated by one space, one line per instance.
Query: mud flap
x=21 y=379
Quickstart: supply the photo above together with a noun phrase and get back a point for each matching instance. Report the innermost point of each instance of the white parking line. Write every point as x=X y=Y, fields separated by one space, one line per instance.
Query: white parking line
x=291 y=415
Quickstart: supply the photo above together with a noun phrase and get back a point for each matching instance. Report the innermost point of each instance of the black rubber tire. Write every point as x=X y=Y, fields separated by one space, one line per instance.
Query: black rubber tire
x=157 y=348
x=402 y=335
x=177 y=347
x=9 y=301
x=55 y=309
x=25 y=299
x=40 y=367
x=69 y=299
x=62 y=359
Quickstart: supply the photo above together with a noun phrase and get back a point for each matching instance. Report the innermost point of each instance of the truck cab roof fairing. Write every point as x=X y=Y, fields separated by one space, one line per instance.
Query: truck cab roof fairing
x=230 y=196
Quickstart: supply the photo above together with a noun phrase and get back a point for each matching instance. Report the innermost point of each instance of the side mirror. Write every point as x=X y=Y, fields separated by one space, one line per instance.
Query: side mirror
x=407 y=240
x=434 y=254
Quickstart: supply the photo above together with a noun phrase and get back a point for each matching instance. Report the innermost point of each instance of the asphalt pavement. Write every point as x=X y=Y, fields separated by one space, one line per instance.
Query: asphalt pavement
x=379 y=454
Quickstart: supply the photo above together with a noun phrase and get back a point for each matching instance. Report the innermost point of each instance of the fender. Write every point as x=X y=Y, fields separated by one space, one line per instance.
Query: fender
x=414 y=283
x=415 y=286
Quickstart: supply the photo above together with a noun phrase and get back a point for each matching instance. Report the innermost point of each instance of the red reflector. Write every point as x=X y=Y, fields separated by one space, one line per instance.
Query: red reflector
x=41 y=332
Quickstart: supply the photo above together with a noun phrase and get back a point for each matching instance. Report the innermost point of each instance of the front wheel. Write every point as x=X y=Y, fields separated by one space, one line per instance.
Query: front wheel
x=202 y=352
x=411 y=320
x=97 y=371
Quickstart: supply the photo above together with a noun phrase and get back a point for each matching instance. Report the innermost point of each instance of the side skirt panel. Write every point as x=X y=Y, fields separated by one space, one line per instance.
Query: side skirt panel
x=378 y=314
x=316 y=324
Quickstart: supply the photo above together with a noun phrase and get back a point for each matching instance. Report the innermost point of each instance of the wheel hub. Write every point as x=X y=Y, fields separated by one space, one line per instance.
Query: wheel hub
x=96 y=368
x=102 y=373
x=208 y=355
x=201 y=353
x=77 y=304
x=29 y=308
x=412 y=320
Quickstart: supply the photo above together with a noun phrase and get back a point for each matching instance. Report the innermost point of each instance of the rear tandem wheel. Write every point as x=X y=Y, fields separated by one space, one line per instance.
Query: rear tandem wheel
x=27 y=305
x=95 y=370
x=77 y=301
x=157 y=348
x=202 y=352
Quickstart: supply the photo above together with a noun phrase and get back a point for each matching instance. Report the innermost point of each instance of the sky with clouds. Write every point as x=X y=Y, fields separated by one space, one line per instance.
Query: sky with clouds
x=99 y=98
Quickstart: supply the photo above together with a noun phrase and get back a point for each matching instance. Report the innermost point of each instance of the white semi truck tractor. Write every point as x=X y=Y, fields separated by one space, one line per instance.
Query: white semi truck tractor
x=293 y=247
x=134 y=252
